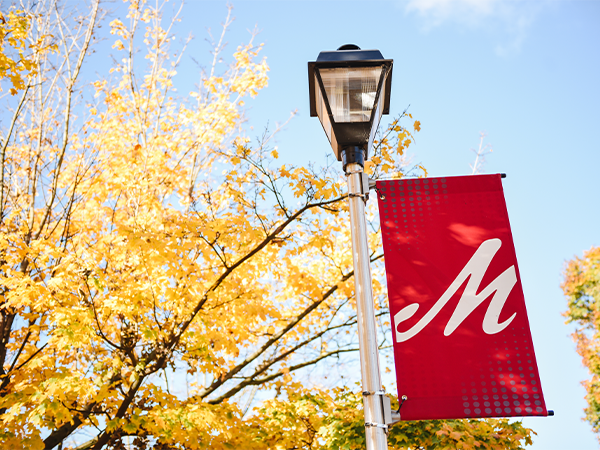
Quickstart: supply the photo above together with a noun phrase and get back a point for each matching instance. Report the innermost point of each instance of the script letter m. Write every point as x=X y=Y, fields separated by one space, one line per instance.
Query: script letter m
x=475 y=269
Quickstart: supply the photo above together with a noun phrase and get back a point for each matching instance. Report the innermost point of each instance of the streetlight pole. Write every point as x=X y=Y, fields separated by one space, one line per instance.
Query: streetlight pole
x=375 y=428
x=349 y=91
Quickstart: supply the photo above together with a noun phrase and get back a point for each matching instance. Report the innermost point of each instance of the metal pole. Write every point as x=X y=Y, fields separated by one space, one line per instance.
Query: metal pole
x=375 y=428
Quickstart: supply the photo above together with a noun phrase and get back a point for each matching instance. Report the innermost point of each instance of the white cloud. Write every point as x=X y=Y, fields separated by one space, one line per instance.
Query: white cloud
x=435 y=12
x=512 y=18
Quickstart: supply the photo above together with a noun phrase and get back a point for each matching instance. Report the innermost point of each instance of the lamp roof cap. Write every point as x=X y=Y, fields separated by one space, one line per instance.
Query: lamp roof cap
x=349 y=52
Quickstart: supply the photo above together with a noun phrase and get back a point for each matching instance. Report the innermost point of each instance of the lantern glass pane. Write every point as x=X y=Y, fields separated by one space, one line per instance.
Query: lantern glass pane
x=377 y=116
x=351 y=92
x=322 y=111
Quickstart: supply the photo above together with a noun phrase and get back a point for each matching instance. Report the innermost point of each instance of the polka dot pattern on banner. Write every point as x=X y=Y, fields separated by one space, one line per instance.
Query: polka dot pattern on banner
x=510 y=389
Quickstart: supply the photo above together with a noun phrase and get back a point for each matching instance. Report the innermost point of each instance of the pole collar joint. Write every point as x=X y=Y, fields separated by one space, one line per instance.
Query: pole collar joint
x=379 y=392
x=353 y=155
x=376 y=425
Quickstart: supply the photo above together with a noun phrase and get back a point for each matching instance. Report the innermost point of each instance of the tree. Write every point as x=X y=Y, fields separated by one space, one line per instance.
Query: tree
x=335 y=419
x=581 y=286
x=146 y=241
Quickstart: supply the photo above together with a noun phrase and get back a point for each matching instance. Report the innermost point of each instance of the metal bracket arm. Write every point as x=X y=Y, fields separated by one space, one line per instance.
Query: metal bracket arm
x=390 y=417
x=372 y=183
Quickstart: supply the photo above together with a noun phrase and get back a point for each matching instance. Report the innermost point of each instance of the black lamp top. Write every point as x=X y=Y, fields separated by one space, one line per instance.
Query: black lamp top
x=349 y=52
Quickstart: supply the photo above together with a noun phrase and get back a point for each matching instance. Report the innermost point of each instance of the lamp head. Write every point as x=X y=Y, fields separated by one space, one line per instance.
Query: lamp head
x=349 y=91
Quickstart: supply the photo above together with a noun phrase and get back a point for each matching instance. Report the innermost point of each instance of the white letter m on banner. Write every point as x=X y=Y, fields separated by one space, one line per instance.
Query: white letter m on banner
x=474 y=270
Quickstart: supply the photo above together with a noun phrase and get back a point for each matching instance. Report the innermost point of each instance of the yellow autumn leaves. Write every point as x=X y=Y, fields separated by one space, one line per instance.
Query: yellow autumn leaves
x=581 y=286
x=20 y=52
x=14 y=62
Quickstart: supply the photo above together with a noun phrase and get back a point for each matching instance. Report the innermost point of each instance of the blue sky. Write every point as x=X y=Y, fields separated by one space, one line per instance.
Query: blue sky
x=524 y=72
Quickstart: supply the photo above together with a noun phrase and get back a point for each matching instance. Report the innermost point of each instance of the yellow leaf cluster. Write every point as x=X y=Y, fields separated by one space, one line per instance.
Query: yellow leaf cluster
x=14 y=62
x=389 y=159
x=20 y=52
x=581 y=286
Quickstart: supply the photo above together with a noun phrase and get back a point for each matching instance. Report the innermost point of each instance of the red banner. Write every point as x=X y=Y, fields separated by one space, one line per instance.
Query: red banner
x=462 y=344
